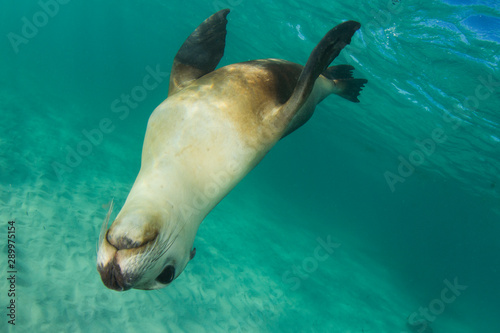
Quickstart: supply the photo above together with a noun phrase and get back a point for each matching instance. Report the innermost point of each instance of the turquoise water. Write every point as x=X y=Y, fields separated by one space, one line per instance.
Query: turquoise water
x=404 y=184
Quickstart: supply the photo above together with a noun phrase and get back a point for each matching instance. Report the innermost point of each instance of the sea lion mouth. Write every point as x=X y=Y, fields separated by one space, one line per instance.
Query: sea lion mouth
x=113 y=277
x=125 y=243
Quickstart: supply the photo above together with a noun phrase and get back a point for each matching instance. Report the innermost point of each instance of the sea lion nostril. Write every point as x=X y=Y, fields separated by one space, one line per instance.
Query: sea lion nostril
x=109 y=239
x=122 y=243
x=123 y=239
x=126 y=243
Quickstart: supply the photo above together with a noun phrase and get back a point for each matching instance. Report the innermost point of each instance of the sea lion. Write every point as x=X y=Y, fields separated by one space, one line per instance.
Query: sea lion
x=214 y=127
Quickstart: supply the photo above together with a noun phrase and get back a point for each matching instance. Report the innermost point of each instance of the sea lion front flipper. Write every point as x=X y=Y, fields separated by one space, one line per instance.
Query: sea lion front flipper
x=201 y=52
x=322 y=55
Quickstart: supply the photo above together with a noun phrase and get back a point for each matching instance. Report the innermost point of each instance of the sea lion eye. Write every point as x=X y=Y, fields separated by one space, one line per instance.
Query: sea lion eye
x=167 y=275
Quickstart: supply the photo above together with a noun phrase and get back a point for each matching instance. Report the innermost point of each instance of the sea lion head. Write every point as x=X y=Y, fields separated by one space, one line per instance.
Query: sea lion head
x=143 y=249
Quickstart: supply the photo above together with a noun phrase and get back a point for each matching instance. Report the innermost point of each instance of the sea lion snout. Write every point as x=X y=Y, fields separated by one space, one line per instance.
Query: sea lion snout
x=117 y=267
x=109 y=267
x=140 y=250
x=128 y=237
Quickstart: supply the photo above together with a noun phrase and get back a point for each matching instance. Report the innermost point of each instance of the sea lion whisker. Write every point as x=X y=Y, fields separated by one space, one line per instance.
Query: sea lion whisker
x=171 y=240
x=104 y=226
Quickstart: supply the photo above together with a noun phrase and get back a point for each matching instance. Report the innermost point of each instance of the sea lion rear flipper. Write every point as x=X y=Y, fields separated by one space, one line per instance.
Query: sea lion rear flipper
x=201 y=52
x=322 y=55
x=345 y=85
x=349 y=88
